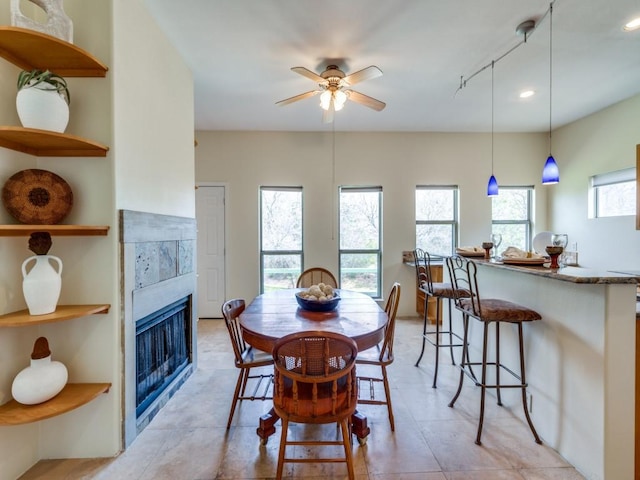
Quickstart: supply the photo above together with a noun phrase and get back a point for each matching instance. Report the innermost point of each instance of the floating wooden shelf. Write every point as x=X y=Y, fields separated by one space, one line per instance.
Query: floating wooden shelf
x=72 y=396
x=32 y=50
x=45 y=143
x=54 y=230
x=22 y=318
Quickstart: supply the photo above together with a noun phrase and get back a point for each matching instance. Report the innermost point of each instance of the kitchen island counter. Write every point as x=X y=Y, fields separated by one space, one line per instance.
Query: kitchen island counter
x=567 y=274
x=580 y=360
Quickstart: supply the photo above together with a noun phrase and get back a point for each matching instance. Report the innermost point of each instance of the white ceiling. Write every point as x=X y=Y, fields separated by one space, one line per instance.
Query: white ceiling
x=241 y=52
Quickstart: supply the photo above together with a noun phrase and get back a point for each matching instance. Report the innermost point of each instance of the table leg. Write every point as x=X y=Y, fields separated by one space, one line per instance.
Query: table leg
x=266 y=428
x=359 y=427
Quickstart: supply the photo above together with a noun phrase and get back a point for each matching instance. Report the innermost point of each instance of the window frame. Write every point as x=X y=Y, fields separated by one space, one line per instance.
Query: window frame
x=377 y=252
x=262 y=252
x=624 y=175
x=528 y=222
x=454 y=223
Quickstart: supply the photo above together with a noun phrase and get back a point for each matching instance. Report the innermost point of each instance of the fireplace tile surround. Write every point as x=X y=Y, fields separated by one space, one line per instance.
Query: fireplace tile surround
x=157 y=256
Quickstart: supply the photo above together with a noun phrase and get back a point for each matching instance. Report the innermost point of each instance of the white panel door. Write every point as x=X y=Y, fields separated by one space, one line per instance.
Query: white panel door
x=211 y=276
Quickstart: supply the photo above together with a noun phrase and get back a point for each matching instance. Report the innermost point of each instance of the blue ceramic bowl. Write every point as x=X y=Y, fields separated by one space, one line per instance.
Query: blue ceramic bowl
x=316 y=305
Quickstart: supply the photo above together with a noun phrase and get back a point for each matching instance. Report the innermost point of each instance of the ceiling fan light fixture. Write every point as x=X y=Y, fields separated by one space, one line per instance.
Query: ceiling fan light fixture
x=339 y=98
x=632 y=25
x=325 y=100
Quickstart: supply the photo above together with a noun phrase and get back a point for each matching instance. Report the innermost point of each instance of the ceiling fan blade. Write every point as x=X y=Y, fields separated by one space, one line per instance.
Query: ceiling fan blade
x=327 y=115
x=361 y=75
x=305 y=72
x=302 y=96
x=365 y=100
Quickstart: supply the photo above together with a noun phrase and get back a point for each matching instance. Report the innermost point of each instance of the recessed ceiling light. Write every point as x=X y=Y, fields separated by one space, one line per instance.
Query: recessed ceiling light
x=527 y=94
x=632 y=25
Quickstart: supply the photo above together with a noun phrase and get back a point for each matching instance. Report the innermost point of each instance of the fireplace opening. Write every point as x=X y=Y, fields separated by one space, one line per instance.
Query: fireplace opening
x=163 y=346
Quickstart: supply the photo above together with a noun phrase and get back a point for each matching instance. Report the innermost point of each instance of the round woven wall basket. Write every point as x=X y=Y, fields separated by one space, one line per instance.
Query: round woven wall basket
x=37 y=197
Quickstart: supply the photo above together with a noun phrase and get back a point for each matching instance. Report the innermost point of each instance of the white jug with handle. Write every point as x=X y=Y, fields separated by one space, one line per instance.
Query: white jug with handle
x=42 y=284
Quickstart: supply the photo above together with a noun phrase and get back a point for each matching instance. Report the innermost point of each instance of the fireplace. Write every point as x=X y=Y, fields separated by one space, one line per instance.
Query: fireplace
x=159 y=320
x=163 y=350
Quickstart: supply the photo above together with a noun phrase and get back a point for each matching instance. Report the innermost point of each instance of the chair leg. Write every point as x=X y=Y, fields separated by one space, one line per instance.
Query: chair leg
x=387 y=392
x=453 y=362
x=424 y=328
x=524 y=386
x=283 y=448
x=241 y=380
x=437 y=343
x=465 y=355
x=498 y=364
x=346 y=440
x=483 y=383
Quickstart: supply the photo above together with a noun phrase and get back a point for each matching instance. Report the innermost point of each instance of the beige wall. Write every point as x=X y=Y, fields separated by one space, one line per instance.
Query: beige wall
x=149 y=167
x=603 y=142
x=153 y=105
x=244 y=161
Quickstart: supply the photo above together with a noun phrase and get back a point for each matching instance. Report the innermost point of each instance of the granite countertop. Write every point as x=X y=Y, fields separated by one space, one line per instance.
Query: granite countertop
x=566 y=274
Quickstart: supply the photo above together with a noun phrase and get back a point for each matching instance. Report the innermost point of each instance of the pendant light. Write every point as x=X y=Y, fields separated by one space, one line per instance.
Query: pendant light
x=550 y=172
x=492 y=186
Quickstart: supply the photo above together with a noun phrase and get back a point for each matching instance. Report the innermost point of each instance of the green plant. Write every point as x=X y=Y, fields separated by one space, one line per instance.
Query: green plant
x=32 y=78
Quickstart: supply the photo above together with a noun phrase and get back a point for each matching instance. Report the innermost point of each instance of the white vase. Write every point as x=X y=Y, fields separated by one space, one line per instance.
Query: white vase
x=42 y=284
x=43 y=109
x=39 y=382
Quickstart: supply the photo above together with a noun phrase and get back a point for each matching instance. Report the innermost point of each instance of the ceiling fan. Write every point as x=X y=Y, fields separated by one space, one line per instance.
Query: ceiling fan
x=333 y=89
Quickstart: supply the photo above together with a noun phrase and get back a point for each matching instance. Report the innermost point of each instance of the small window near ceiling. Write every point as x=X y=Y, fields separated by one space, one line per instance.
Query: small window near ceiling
x=437 y=219
x=512 y=216
x=613 y=194
x=281 y=254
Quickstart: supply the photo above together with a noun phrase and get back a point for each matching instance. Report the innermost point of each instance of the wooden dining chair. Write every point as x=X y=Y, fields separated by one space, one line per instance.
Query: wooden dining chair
x=382 y=356
x=246 y=358
x=314 y=276
x=315 y=383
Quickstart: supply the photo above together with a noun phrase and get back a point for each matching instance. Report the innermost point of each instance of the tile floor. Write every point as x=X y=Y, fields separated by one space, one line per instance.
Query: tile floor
x=188 y=440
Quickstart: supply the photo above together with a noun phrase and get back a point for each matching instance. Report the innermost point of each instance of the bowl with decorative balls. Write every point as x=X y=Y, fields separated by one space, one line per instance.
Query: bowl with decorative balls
x=318 y=298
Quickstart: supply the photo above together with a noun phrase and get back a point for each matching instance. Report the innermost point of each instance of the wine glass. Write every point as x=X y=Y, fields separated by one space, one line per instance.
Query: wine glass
x=496 y=238
x=559 y=240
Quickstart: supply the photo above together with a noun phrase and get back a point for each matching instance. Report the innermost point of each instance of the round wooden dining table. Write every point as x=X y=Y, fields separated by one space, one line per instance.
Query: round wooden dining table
x=275 y=314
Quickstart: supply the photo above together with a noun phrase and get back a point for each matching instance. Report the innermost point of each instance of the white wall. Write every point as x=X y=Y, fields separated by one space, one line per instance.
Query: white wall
x=153 y=104
x=398 y=161
x=603 y=142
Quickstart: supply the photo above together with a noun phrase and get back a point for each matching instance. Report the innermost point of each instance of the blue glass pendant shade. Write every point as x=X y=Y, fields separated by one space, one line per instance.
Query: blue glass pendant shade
x=550 y=172
x=492 y=187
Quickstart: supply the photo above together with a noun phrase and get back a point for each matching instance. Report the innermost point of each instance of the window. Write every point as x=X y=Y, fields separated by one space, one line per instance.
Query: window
x=511 y=216
x=613 y=194
x=280 y=237
x=361 y=239
x=437 y=219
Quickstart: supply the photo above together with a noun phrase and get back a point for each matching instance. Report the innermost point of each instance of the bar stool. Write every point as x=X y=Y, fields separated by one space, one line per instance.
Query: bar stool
x=437 y=290
x=463 y=276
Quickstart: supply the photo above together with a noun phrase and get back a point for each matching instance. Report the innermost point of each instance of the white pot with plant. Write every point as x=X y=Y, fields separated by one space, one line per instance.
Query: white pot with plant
x=43 y=100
